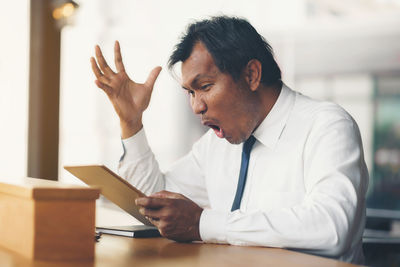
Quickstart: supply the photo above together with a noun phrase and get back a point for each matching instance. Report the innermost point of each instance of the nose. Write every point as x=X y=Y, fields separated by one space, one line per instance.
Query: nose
x=198 y=105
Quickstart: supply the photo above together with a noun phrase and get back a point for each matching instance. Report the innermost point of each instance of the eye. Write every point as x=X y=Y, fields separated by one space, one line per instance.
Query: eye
x=190 y=92
x=206 y=86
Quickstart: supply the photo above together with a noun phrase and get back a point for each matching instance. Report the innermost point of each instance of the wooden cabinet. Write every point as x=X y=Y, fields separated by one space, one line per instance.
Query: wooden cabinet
x=47 y=220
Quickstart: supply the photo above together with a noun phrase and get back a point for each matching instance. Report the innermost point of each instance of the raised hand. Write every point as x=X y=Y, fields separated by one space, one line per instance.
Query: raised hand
x=130 y=99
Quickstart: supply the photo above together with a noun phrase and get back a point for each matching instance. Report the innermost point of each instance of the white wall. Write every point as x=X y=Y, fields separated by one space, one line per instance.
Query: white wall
x=14 y=63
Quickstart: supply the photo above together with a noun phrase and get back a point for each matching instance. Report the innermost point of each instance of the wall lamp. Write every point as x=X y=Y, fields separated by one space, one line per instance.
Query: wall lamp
x=63 y=11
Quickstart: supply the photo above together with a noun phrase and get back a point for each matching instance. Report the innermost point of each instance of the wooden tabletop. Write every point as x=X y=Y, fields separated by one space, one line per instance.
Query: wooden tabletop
x=124 y=251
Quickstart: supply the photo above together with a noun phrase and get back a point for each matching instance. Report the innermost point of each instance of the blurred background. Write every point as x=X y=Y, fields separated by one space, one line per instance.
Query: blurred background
x=345 y=51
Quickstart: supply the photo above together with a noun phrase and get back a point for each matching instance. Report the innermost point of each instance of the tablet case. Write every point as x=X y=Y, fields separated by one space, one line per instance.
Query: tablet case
x=113 y=187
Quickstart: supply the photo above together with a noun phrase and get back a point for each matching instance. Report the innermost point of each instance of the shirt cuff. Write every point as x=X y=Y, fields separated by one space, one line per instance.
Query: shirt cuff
x=135 y=146
x=212 y=226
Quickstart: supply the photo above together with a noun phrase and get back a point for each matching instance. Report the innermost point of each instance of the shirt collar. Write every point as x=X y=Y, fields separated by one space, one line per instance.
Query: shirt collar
x=271 y=128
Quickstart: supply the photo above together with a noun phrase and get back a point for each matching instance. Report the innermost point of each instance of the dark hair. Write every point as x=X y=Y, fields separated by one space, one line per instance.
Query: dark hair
x=232 y=42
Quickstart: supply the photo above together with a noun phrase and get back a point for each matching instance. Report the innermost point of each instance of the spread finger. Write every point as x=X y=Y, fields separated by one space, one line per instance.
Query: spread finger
x=118 y=58
x=103 y=63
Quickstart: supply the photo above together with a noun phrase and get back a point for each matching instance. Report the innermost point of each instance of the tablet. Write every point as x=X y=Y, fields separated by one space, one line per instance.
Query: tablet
x=113 y=187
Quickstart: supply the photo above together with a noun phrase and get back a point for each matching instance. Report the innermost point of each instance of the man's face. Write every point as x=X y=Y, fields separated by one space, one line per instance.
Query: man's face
x=228 y=107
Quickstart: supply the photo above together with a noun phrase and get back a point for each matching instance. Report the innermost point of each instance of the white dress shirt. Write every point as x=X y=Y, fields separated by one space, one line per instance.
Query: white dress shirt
x=305 y=187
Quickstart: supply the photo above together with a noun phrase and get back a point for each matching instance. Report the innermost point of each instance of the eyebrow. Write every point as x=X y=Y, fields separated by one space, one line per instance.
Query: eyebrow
x=197 y=78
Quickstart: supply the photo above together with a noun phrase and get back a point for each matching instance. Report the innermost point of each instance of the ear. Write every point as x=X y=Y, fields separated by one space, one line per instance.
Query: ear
x=253 y=74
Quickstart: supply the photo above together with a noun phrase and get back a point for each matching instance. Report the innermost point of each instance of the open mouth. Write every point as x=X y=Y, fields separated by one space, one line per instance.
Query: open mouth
x=218 y=131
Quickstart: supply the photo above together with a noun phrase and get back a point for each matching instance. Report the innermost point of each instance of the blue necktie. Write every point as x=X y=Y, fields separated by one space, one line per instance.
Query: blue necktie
x=243 y=172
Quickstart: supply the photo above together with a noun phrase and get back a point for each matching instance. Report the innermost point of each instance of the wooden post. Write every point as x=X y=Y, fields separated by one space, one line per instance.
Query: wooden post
x=44 y=80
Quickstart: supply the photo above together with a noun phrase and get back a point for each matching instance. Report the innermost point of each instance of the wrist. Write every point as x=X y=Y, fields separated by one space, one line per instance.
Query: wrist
x=129 y=129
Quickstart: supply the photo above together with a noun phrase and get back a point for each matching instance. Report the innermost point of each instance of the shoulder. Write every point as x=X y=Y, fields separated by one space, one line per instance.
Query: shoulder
x=319 y=113
x=312 y=120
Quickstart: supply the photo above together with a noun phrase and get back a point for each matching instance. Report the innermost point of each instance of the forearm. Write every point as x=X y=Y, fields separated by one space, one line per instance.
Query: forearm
x=311 y=227
x=328 y=221
x=138 y=165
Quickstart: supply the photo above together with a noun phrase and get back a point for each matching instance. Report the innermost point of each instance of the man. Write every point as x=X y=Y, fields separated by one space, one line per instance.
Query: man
x=276 y=168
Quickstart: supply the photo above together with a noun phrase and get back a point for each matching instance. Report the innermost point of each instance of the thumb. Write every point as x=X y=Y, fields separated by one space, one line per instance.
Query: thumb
x=152 y=77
